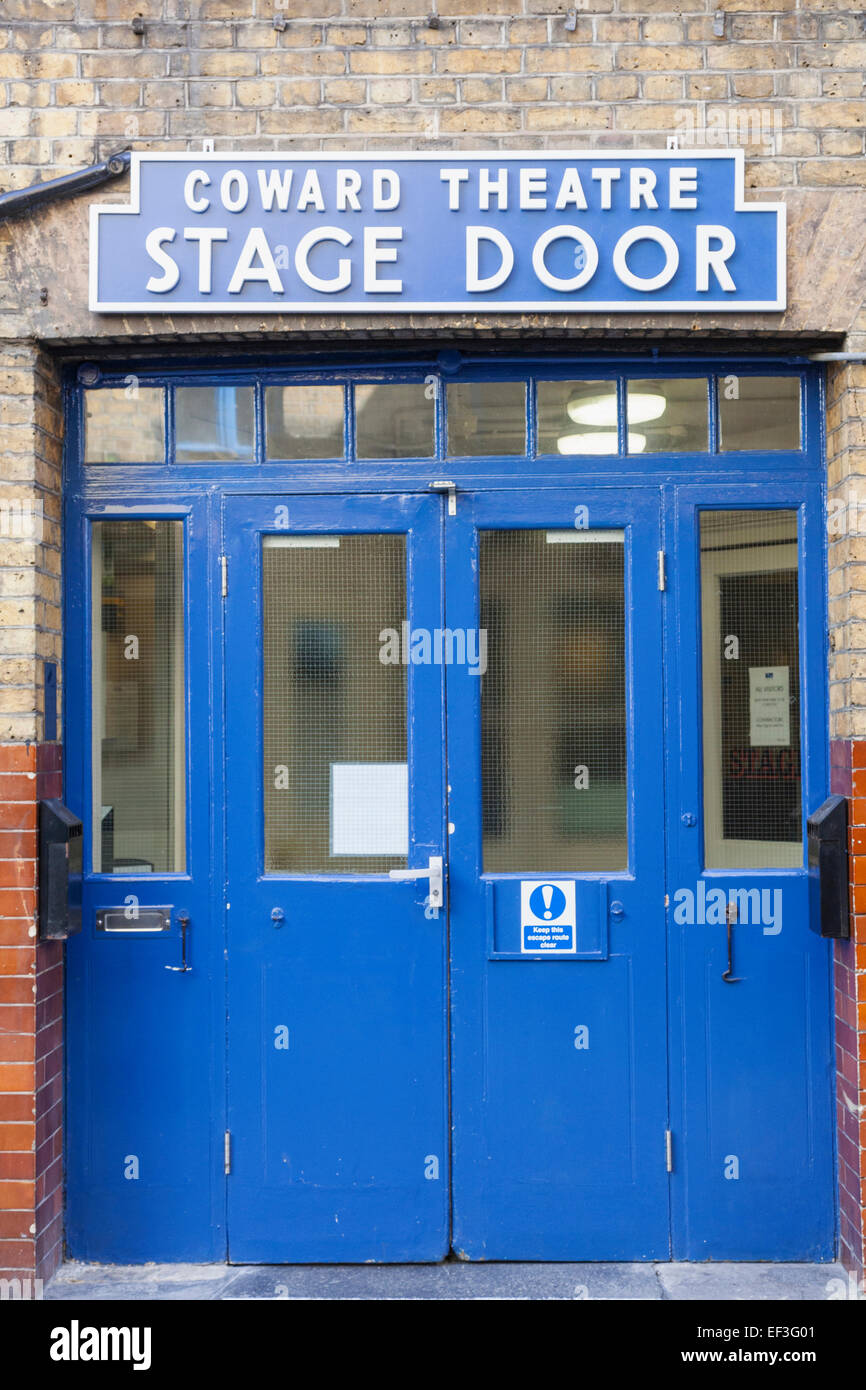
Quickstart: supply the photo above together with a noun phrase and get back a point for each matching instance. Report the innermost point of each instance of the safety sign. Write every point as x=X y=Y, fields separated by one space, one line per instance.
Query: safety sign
x=548 y=917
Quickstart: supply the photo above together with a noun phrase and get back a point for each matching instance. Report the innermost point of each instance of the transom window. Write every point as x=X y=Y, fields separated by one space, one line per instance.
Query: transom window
x=348 y=420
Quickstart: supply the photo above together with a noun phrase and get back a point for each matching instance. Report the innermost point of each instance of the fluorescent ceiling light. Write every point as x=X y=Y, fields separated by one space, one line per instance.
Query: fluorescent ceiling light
x=600 y=411
x=598 y=442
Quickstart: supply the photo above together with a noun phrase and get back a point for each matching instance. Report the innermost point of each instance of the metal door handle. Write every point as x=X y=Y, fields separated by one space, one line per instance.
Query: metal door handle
x=436 y=874
x=183 y=968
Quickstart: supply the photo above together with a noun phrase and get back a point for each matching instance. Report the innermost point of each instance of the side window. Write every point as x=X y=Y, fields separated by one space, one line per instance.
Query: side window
x=137 y=684
x=751 y=690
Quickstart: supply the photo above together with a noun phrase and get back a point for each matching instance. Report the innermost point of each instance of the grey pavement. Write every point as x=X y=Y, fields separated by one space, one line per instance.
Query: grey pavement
x=451 y=1280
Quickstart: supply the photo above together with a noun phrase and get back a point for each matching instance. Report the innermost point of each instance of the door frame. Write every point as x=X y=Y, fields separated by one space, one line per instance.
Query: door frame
x=104 y=490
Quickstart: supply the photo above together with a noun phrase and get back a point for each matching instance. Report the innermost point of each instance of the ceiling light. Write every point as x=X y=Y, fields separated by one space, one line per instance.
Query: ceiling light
x=599 y=442
x=601 y=410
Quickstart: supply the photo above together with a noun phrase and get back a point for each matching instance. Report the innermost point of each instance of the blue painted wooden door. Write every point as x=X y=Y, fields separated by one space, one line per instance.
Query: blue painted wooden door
x=338 y=1049
x=558 y=1038
x=751 y=1055
x=337 y=1004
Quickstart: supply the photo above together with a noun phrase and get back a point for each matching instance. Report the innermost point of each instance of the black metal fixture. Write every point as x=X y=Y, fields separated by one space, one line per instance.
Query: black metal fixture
x=66 y=186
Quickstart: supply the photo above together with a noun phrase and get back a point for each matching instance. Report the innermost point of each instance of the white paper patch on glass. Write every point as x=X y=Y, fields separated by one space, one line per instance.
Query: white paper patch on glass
x=769 y=706
x=369 y=808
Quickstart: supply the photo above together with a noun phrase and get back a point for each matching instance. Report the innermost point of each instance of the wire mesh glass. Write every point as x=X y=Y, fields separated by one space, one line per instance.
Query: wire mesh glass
x=553 y=714
x=751 y=699
x=138 y=697
x=334 y=717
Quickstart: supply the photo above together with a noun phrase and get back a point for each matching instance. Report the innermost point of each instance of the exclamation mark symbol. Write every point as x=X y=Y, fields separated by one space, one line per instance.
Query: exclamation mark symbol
x=547 y=896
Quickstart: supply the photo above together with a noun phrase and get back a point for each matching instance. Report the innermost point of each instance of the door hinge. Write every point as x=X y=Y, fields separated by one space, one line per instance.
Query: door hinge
x=661 y=562
x=224 y=567
x=227 y=1152
x=669 y=1150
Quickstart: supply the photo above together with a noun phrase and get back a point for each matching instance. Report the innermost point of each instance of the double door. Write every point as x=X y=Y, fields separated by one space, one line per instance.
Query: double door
x=494 y=894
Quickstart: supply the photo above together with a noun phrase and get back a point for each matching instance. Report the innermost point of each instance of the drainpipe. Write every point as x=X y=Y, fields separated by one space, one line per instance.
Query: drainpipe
x=837 y=356
x=20 y=200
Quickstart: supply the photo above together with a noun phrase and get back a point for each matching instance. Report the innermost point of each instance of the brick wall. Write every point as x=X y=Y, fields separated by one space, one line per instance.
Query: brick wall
x=785 y=79
x=30 y=972
x=846 y=466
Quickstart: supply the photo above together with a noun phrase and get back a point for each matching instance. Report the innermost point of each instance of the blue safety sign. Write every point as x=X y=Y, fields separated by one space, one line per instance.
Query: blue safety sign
x=548 y=919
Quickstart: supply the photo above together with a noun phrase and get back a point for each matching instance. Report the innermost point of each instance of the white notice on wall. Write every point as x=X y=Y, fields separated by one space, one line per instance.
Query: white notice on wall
x=369 y=808
x=769 y=706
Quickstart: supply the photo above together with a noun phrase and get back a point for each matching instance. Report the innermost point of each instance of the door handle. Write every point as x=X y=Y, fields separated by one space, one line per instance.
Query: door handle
x=183 y=968
x=436 y=874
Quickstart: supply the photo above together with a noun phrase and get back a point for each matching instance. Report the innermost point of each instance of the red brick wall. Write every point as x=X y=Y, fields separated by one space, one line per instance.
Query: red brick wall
x=31 y=1043
x=848 y=758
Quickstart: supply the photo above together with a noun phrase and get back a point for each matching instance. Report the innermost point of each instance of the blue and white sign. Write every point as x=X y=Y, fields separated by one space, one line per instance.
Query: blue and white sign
x=548 y=915
x=390 y=233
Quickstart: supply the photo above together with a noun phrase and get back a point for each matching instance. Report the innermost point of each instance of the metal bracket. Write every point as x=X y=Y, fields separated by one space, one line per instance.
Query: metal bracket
x=445 y=485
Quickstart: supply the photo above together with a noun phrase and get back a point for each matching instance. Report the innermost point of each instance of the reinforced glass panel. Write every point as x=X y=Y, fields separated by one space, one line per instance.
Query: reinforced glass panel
x=486 y=417
x=751 y=696
x=553 y=719
x=213 y=423
x=304 y=422
x=577 y=417
x=124 y=425
x=335 y=760
x=668 y=417
x=138 y=697
x=394 y=422
x=759 y=412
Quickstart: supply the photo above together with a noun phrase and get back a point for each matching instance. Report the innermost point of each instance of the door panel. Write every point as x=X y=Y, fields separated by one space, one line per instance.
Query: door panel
x=337 y=975
x=752 y=1054
x=144 y=1180
x=559 y=1040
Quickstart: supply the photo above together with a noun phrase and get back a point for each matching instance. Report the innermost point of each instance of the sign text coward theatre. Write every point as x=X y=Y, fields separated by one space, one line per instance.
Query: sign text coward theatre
x=614 y=232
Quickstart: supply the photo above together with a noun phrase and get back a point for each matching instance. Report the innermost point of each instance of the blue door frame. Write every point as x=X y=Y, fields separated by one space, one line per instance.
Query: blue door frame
x=146 y=1048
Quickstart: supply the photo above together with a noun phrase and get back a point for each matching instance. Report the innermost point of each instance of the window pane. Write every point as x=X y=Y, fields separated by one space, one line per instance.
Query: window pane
x=759 y=412
x=213 y=423
x=751 y=677
x=487 y=417
x=668 y=417
x=394 y=422
x=553 y=723
x=304 y=422
x=138 y=697
x=120 y=427
x=577 y=417
x=335 y=761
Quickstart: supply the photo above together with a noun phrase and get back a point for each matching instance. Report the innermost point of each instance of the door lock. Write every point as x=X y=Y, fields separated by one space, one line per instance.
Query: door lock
x=436 y=874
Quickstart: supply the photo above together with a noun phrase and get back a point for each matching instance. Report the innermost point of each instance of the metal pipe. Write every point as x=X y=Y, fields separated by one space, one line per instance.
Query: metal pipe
x=837 y=356
x=20 y=200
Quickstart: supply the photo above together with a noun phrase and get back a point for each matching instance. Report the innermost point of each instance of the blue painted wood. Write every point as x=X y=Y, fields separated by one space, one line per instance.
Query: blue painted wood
x=146 y=1049
x=340 y=1149
x=558 y=1151
x=141 y=1040
x=752 y=1062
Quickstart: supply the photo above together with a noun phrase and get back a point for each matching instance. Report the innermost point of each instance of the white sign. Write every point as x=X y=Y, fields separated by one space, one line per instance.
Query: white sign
x=548 y=915
x=369 y=808
x=769 y=707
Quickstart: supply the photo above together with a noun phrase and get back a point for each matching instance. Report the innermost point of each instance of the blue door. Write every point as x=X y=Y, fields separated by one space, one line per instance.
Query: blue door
x=337 y=984
x=346 y=650
x=751 y=992
x=144 y=1001
x=557 y=877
